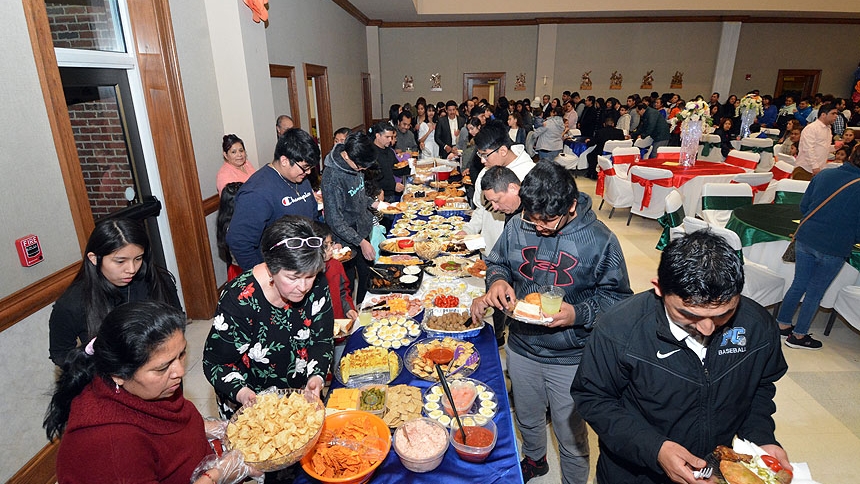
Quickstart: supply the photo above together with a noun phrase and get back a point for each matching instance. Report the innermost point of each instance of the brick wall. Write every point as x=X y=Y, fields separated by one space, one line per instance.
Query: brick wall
x=78 y=26
x=103 y=154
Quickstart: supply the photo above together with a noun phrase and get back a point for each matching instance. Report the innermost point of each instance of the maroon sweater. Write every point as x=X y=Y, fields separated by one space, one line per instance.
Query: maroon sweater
x=338 y=287
x=118 y=437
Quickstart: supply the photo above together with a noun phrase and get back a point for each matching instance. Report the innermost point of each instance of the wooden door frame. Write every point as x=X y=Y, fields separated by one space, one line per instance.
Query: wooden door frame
x=815 y=73
x=483 y=76
x=366 y=101
x=289 y=73
x=323 y=102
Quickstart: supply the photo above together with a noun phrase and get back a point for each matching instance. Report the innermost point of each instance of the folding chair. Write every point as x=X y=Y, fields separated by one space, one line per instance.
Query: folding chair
x=719 y=199
x=847 y=305
x=762 y=146
x=673 y=220
x=611 y=187
x=744 y=159
x=761 y=284
x=650 y=188
x=789 y=191
x=710 y=148
x=612 y=144
x=759 y=182
x=624 y=158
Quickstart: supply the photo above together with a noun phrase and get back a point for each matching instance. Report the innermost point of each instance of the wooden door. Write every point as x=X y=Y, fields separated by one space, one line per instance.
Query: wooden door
x=285 y=92
x=482 y=81
x=318 y=76
x=366 y=101
x=801 y=83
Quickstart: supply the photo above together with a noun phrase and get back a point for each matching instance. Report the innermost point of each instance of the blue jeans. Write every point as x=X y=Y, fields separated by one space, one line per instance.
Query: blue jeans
x=813 y=272
x=548 y=155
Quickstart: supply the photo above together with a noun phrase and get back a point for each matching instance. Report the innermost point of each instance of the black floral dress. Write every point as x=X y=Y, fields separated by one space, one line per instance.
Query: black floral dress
x=254 y=344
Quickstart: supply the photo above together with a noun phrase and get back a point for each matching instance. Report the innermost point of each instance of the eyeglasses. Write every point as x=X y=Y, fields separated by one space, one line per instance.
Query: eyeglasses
x=487 y=155
x=297 y=242
x=306 y=169
x=537 y=225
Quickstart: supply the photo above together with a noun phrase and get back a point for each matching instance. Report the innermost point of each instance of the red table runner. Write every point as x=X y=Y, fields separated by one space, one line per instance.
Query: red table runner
x=683 y=174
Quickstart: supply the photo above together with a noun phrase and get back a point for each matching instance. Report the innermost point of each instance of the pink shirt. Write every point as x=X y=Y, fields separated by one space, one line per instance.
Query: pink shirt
x=814 y=146
x=229 y=174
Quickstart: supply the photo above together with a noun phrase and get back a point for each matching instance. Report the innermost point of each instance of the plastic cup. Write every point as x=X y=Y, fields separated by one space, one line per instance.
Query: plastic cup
x=550 y=299
x=364 y=316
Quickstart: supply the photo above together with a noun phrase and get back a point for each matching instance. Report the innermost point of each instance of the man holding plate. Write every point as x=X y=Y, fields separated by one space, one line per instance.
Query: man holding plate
x=556 y=241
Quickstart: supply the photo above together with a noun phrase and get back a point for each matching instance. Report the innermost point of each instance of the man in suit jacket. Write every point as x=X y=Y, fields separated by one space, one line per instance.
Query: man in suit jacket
x=448 y=128
x=606 y=133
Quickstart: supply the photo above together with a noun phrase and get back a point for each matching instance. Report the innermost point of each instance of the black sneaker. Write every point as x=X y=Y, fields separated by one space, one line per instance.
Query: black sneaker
x=785 y=333
x=532 y=468
x=805 y=343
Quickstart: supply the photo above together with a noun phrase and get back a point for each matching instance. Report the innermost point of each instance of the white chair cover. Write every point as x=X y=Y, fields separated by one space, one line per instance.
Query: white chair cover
x=787 y=158
x=692 y=224
x=761 y=284
x=668 y=150
x=657 y=204
x=759 y=182
x=847 y=304
x=530 y=144
x=616 y=190
x=744 y=159
x=788 y=185
x=761 y=144
x=567 y=160
x=675 y=201
x=715 y=154
x=612 y=144
x=642 y=144
x=720 y=217
x=623 y=158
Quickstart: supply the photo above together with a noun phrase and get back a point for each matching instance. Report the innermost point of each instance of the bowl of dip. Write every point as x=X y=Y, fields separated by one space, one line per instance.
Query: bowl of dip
x=480 y=437
x=421 y=444
x=464 y=393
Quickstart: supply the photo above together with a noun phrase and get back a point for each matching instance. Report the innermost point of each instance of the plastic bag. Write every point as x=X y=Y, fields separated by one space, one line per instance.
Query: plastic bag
x=377 y=235
x=231 y=468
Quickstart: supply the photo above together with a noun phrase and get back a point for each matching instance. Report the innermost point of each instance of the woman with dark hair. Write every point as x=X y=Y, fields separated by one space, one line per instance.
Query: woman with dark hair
x=117 y=268
x=222 y=224
x=119 y=407
x=822 y=243
x=393 y=111
x=236 y=167
x=515 y=129
x=274 y=323
x=427 y=134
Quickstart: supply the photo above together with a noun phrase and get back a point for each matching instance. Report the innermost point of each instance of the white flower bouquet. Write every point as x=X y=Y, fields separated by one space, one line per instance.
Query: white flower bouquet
x=751 y=102
x=693 y=111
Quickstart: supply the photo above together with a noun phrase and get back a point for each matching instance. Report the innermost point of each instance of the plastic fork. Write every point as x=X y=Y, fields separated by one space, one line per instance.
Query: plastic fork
x=471 y=360
x=703 y=473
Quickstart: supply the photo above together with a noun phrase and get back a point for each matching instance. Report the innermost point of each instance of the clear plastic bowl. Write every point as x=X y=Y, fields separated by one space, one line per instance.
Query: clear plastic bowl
x=431 y=460
x=468 y=452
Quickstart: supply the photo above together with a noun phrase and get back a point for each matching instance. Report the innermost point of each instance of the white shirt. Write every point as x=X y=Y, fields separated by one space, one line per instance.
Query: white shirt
x=681 y=335
x=453 y=124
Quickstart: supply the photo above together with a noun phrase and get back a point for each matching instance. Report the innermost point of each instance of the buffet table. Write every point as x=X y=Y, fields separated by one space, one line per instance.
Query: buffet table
x=765 y=231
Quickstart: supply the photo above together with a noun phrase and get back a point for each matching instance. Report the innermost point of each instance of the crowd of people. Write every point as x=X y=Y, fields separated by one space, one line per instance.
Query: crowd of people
x=635 y=367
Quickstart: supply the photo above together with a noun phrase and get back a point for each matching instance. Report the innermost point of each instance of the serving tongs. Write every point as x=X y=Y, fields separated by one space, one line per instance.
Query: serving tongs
x=447 y=391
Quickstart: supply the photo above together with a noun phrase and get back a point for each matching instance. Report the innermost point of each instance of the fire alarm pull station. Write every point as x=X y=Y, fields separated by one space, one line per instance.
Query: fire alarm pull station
x=29 y=250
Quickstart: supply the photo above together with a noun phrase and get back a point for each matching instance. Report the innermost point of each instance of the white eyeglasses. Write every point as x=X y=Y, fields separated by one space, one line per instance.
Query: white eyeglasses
x=296 y=242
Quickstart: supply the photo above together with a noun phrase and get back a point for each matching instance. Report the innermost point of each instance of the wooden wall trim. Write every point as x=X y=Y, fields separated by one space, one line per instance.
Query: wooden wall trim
x=58 y=118
x=211 y=204
x=289 y=73
x=24 y=302
x=171 y=135
x=352 y=10
x=41 y=469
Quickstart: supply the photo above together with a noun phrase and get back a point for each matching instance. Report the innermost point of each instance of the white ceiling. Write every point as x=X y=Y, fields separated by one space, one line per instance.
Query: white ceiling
x=396 y=11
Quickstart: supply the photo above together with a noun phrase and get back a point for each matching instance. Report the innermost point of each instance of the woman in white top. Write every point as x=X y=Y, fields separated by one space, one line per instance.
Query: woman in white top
x=426 y=141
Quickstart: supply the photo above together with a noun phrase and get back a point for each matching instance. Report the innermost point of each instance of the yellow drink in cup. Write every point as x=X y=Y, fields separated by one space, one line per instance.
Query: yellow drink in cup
x=550 y=299
x=364 y=316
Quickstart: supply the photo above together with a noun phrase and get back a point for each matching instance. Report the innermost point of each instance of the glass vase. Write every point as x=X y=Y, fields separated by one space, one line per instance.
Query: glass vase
x=747 y=118
x=691 y=133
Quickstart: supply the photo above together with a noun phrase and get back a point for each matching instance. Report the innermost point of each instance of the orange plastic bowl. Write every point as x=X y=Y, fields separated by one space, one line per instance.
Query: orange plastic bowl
x=339 y=420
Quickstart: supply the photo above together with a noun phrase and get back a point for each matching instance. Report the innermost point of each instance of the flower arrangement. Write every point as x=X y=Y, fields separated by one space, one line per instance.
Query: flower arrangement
x=750 y=102
x=693 y=111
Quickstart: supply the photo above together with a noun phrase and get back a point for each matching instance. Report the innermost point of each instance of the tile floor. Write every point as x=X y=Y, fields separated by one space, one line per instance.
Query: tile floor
x=817 y=418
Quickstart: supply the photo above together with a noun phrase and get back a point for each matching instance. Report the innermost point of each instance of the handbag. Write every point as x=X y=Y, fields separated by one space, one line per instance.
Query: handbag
x=790 y=254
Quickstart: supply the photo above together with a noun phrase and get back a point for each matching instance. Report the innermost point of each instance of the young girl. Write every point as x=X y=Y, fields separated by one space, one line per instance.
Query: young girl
x=222 y=224
x=841 y=155
x=117 y=268
x=338 y=284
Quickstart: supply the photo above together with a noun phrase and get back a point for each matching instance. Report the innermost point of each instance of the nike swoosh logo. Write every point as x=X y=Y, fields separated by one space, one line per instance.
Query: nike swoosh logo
x=666 y=355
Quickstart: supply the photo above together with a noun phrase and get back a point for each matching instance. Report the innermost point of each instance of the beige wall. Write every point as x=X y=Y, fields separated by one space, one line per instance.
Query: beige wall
x=450 y=51
x=633 y=50
x=765 y=48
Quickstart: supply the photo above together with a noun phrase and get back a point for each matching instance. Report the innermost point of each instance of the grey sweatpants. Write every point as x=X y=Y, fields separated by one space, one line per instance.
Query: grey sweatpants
x=536 y=386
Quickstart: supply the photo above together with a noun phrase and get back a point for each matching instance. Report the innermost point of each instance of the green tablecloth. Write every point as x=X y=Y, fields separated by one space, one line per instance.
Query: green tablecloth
x=770 y=222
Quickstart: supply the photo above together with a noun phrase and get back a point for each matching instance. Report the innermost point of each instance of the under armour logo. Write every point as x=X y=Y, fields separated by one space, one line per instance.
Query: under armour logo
x=560 y=269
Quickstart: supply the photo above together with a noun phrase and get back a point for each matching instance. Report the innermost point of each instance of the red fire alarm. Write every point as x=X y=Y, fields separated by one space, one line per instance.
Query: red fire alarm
x=29 y=250
x=748 y=77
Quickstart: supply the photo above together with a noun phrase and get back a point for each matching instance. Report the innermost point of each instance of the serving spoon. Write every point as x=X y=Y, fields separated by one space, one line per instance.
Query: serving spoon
x=447 y=391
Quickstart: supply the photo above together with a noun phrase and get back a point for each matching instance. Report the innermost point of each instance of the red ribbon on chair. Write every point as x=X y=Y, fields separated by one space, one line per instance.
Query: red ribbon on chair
x=624 y=159
x=755 y=188
x=741 y=162
x=648 y=184
x=601 y=180
x=779 y=174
